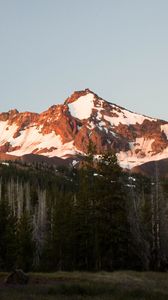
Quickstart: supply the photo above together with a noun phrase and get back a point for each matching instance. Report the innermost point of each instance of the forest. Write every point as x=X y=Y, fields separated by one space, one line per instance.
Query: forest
x=91 y=218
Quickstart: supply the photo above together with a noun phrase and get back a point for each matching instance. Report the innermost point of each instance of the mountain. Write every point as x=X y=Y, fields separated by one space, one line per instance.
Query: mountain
x=65 y=130
x=150 y=168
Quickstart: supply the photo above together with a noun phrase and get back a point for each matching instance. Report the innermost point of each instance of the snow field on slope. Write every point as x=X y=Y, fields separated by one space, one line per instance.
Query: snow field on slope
x=63 y=151
x=129 y=159
x=82 y=107
x=126 y=117
x=31 y=139
x=6 y=131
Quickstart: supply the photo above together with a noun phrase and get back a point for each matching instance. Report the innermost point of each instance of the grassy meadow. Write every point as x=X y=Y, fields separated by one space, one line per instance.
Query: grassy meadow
x=122 y=285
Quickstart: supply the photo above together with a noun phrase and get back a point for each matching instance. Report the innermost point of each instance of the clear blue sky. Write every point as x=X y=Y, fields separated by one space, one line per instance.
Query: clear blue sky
x=117 y=48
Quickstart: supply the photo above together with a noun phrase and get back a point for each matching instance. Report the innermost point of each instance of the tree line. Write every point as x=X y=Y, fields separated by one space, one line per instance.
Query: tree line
x=95 y=217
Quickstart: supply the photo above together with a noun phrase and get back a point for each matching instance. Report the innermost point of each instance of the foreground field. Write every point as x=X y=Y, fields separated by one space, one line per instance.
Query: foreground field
x=98 y=286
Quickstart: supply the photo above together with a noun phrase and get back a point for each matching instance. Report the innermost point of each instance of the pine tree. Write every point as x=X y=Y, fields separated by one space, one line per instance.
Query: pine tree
x=159 y=224
x=114 y=227
x=8 y=243
x=83 y=222
x=138 y=210
x=58 y=247
x=25 y=243
x=87 y=249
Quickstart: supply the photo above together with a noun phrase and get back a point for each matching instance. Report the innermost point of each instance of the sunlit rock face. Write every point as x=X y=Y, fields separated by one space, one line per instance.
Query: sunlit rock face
x=64 y=130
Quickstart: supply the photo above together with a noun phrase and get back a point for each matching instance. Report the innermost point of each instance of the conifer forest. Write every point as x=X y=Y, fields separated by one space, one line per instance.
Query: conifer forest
x=94 y=217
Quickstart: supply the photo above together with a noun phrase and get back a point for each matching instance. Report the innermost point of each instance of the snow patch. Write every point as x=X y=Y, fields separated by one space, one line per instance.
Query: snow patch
x=31 y=140
x=126 y=117
x=130 y=159
x=64 y=150
x=82 y=108
x=164 y=128
x=6 y=131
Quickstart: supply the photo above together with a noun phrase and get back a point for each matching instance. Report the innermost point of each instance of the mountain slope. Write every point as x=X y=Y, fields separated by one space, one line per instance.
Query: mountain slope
x=153 y=168
x=64 y=130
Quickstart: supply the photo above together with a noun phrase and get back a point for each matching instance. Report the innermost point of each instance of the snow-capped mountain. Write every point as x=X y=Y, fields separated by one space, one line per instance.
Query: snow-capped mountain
x=64 y=130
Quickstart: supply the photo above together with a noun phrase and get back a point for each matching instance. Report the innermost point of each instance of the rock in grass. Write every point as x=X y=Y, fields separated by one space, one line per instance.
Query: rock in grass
x=17 y=277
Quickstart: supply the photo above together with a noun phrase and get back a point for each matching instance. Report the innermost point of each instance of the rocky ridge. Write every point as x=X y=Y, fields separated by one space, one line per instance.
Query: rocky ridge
x=65 y=130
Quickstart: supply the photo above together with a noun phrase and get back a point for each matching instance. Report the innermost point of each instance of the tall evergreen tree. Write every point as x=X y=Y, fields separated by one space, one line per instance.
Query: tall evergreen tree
x=114 y=231
x=8 y=245
x=159 y=224
x=26 y=244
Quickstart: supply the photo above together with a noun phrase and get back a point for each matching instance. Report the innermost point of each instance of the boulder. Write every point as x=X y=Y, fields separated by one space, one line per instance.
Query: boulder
x=17 y=277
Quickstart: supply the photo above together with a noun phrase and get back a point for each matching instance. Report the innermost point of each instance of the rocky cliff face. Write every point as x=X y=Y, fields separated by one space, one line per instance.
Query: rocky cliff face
x=65 y=130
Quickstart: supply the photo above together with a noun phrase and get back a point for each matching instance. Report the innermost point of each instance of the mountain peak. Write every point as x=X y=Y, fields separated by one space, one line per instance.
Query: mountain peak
x=81 y=103
x=13 y=111
x=77 y=94
x=65 y=129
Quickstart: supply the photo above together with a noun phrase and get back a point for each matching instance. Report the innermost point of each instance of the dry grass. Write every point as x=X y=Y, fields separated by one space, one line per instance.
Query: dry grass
x=126 y=285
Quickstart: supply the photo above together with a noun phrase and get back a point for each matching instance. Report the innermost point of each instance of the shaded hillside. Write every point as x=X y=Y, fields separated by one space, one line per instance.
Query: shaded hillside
x=150 y=168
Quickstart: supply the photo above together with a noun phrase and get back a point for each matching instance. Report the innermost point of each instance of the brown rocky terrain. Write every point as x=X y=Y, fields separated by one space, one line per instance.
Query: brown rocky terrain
x=64 y=130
